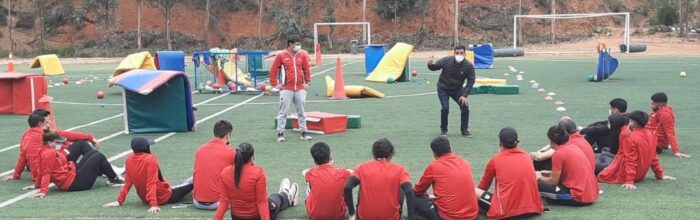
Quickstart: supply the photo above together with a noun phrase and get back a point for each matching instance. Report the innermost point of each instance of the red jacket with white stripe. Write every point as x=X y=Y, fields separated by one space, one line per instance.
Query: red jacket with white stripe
x=54 y=167
x=295 y=68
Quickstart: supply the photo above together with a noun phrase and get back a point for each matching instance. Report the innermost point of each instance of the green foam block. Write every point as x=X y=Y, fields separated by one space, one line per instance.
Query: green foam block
x=504 y=89
x=354 y=121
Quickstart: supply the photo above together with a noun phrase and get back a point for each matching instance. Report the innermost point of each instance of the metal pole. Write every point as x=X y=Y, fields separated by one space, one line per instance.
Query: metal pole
x=456 y=22
x=315 y=38
x=515 y=32
x=627 y=32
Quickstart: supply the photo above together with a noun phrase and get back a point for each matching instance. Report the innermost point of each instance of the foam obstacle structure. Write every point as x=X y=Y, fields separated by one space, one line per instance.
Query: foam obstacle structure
x=156 y=101
x=140 y=60
x=352 y=91
x=483 y=55
x=322 y=122
x=607 y=65
x=494 y=86
x=354 y=122
x=373 y=54
x=170 y=60
x=49 y=64
x=20 y=93
x=394 y=65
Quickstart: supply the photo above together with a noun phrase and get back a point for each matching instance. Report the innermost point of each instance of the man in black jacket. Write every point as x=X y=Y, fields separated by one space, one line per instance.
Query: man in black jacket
x=599 y=134
x=455 y=70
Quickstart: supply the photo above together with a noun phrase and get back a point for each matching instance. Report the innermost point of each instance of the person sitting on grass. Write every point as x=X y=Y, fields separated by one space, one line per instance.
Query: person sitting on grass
x=637 y=155
x=571 y=181
x=54 y=167
x=143 y=173
x=243 y=189
x=662 y=121
x=599 y=134
x=209 y=160
x=452 y=182
x=515 y=193
x=325 y=182
x=619 y=131
x=381 y=182
x=542 y=159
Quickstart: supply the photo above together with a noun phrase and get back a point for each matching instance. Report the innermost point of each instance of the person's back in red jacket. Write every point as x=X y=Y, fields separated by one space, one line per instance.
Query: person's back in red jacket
x=515 y=192
x=325 y=184
x=209 y=160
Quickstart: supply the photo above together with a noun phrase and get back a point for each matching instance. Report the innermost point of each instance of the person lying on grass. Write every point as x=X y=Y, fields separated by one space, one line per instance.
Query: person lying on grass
x=143 y=173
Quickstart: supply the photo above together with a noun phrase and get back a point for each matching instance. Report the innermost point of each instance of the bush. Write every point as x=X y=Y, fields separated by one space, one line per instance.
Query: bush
x=385 y=8
x=25 y=21
x=667 y=15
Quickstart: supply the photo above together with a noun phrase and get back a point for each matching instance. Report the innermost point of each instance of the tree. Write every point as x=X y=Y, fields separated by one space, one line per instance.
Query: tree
x=105 y=15
x=166 y=7
x=10 y=6
x=686 y=9
x=329 y=17
x=139 y=4
x=206 y=23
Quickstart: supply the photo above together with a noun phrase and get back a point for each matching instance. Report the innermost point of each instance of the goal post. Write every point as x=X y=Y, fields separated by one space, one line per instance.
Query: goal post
x=574 y=16
x=366 y=30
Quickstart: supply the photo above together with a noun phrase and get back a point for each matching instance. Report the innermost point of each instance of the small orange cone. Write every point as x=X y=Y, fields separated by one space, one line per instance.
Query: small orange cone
x=10 y=65
x=220 y=79
x=45 y=103
x=339 y=90
x=318 y=54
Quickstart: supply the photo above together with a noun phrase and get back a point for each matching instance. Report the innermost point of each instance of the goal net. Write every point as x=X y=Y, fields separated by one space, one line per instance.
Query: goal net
x=560 y=21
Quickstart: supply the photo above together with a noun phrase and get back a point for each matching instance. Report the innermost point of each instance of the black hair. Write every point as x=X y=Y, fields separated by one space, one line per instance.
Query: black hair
x=35 y=119
x=460 y=47
x=659 y=97
x=222 y=128
x=440 y=146
x=48 y=137
x=620 y=104
x=569 y=125
x=321 y=153
x=640 y=117
x=42 y=112
x=558 y=134
x=617 y=122
x=293 y=39
x=244 y=154
x=382 y=148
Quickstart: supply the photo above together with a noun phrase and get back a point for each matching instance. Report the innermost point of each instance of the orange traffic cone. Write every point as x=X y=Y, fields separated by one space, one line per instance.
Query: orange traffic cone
x=45 y=103
x=318 y=55
x=10 y=65
x=339 y=90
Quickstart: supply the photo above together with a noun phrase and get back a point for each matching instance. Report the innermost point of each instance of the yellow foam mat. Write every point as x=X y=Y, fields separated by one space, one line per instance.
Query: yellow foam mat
x=141 y=60
x=49 y=63
x=392 y=64
x=489 y=81
x=352 y=91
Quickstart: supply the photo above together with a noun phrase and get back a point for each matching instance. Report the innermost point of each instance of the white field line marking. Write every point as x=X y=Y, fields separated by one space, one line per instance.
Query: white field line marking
x=122 y=154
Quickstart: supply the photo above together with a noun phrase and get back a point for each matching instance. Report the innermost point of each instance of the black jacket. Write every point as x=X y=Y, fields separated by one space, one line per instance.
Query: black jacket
x=453 y=74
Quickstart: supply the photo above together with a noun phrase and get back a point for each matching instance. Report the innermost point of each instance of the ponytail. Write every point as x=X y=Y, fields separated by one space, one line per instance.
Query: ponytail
x=244 y=154
x=558 y=134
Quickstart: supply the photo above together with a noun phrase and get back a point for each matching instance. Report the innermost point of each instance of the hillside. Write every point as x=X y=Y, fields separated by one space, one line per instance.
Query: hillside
x=236 y=24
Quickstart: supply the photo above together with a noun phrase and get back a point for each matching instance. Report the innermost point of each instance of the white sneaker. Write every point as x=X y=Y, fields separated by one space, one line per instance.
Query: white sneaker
x=119 y=170
x=293 y=194
x=284 y=185
x=280 y=137
x=305 y=136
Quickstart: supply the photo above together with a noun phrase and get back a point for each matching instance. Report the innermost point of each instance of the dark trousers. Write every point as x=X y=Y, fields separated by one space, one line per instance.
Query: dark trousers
x=485 y=204
x=598 y=141
x=603 y=161
x=92 y=165
x=180 y=191
x=542 y=165
x=444 y=95
x=558 y=195
x=77 y=149
x=426 y=208
x=278 y=202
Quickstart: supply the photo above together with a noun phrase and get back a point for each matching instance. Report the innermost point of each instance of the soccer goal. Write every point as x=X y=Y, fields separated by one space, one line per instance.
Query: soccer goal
x=626 y=40
x=366 y=31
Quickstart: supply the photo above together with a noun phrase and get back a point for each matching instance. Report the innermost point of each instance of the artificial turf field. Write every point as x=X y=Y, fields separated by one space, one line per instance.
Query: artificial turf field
x=408 y=116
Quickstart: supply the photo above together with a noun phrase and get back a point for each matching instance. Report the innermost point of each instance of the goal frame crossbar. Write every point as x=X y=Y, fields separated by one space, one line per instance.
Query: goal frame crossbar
x=574 y=16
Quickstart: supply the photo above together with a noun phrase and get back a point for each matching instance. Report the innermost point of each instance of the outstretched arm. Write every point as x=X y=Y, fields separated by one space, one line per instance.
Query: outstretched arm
x=349 y=185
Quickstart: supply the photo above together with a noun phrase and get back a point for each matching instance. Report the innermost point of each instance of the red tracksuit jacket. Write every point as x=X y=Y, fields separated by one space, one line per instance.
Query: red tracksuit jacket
x=142 y=173
x=296 y=70
x=636 y=155
x=54 y=167
x=249 y=199
x=662 y=122
x=31 y=143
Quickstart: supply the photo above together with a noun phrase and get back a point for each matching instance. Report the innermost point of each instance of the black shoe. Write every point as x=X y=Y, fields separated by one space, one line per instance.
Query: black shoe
x=443 y=133
x=117 y=181
x=466 y=134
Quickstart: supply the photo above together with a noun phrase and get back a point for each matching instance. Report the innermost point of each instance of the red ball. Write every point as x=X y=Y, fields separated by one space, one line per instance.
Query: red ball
x=100 y=95
x=414 y=73
x=261 y=87
x=65 y=80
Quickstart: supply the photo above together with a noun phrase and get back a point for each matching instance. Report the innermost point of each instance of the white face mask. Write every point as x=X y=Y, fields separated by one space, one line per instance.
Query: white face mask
x=459 y=58
x=57 y=146
x=297 y=48
x=609 y=112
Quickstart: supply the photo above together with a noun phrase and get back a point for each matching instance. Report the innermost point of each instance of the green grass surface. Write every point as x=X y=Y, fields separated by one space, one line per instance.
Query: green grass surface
x=408 y=116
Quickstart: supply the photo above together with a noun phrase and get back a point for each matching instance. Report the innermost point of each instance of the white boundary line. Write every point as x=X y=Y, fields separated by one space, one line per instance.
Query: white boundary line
x=122 y=154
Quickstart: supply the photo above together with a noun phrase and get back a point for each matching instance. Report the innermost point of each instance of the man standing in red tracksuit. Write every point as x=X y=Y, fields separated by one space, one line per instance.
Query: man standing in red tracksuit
x=662 y=121
x=295 y=78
